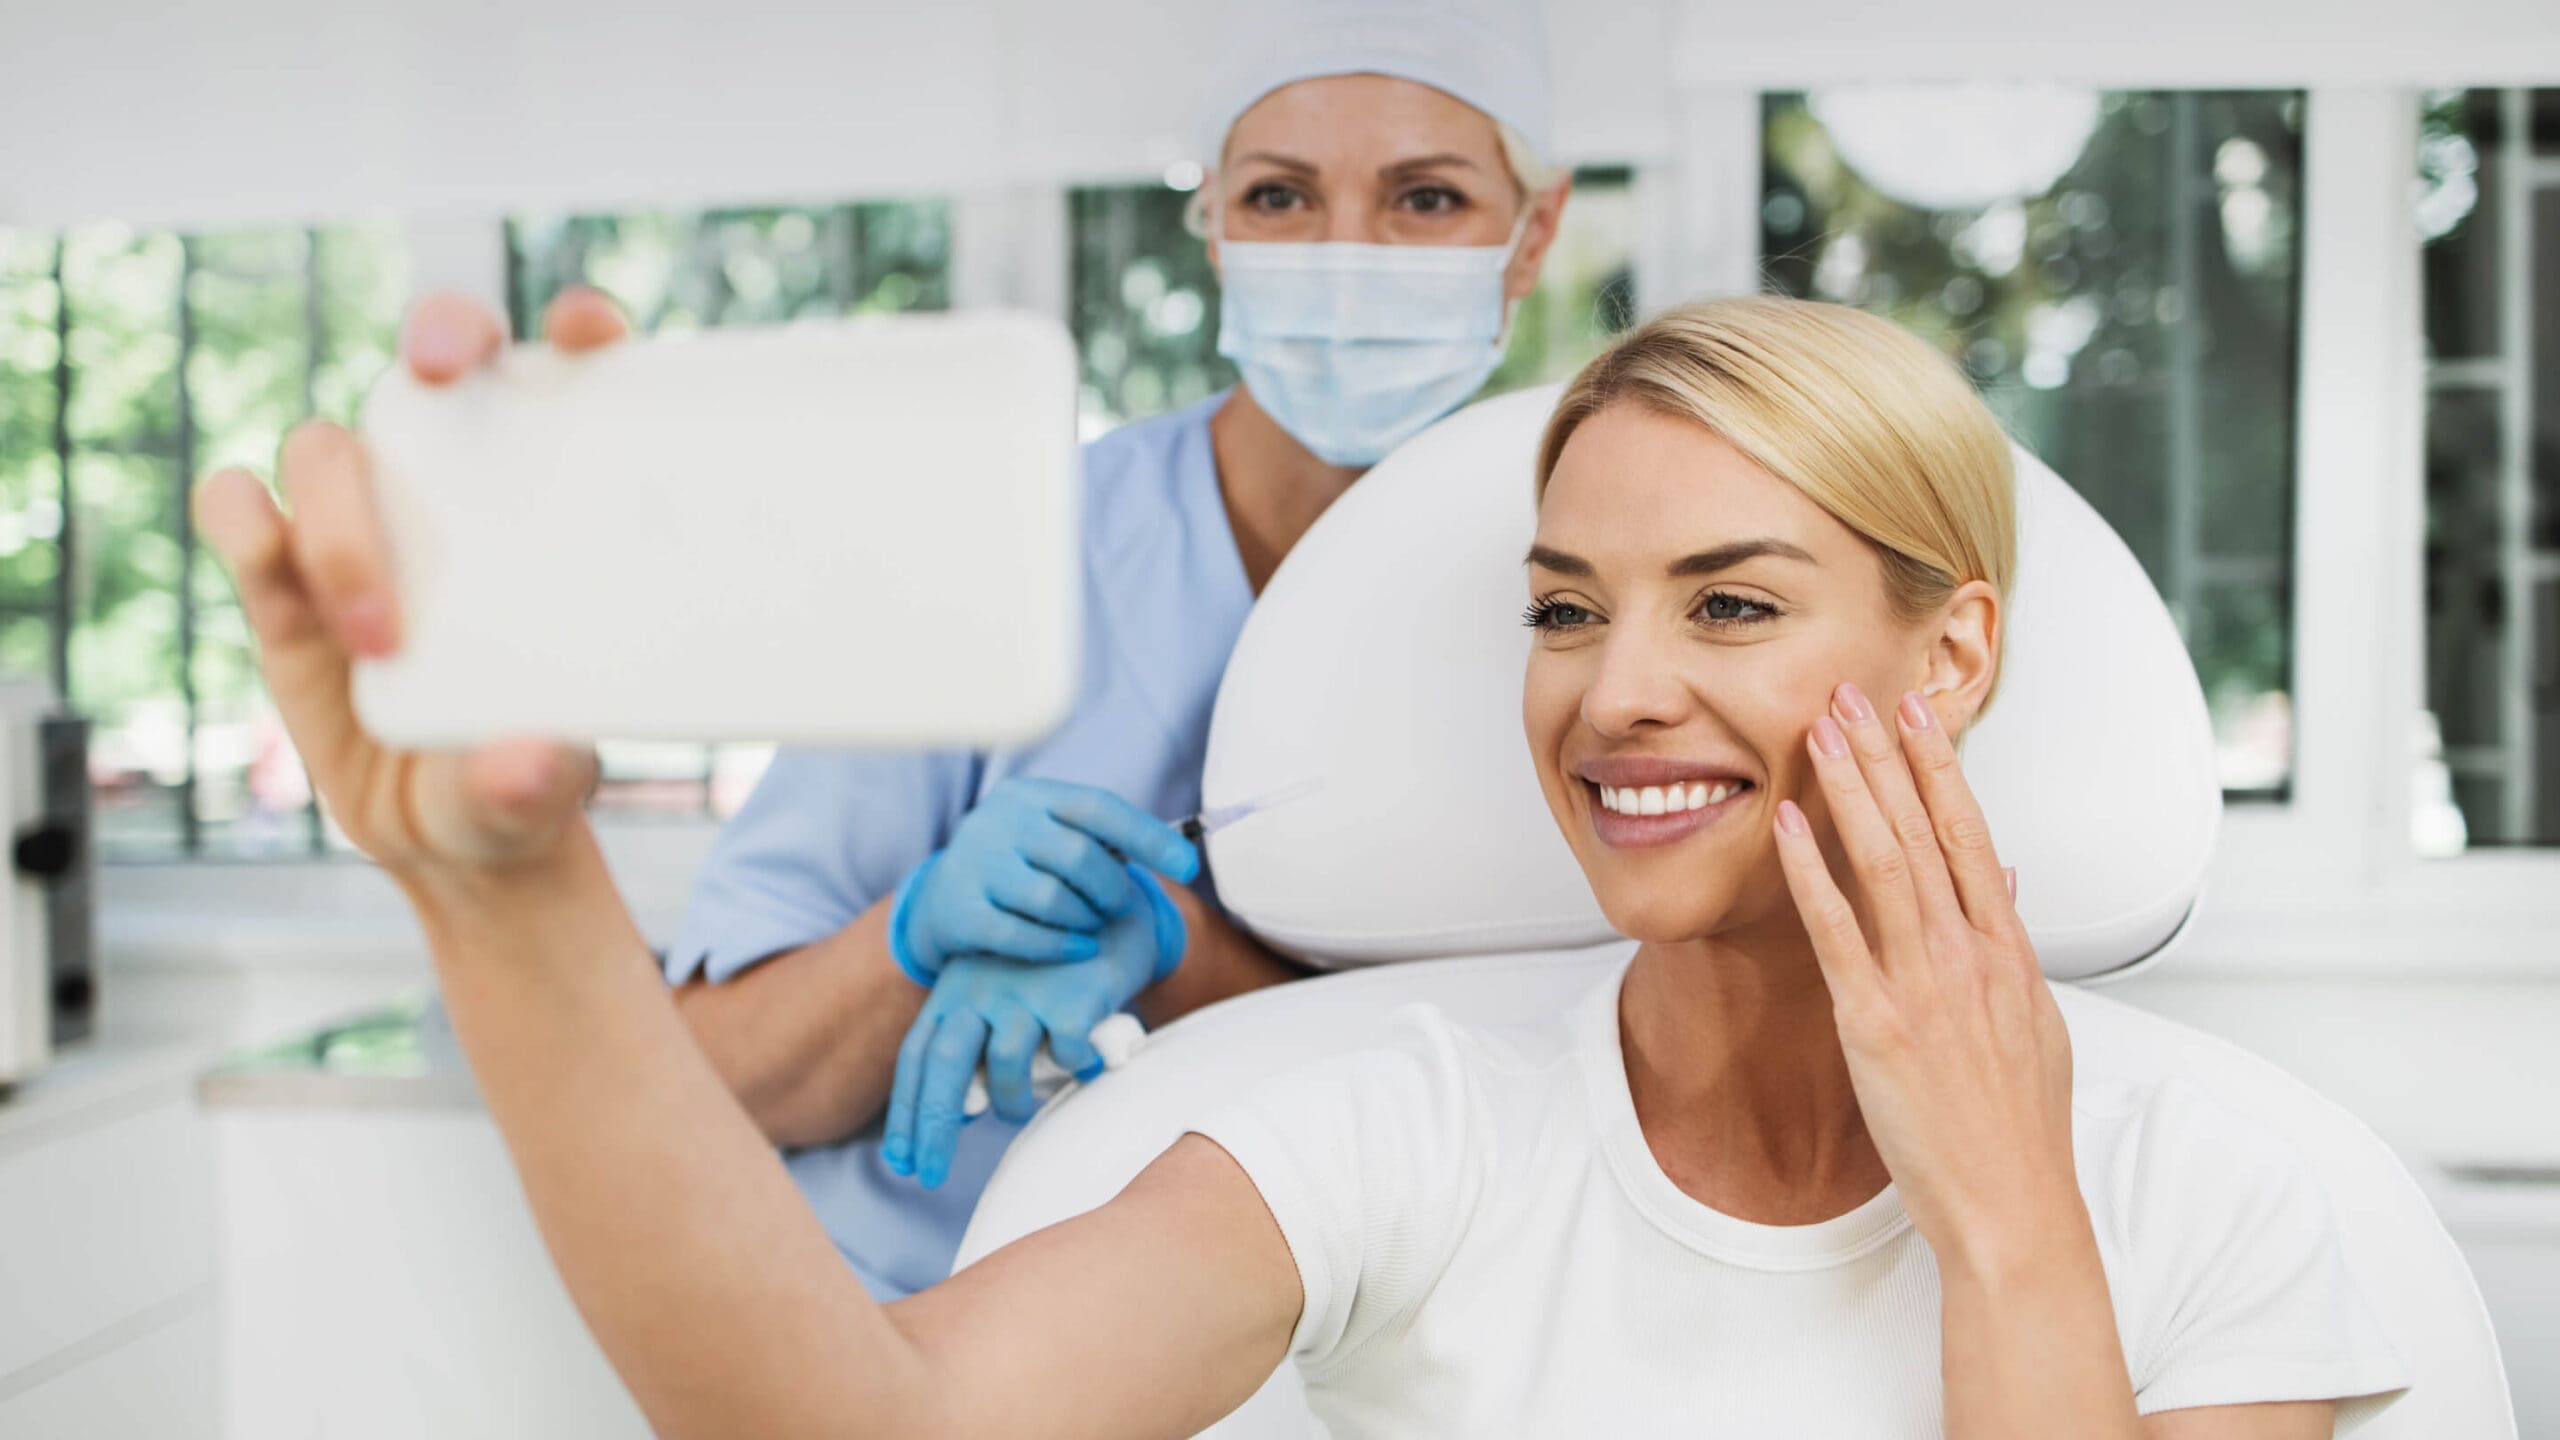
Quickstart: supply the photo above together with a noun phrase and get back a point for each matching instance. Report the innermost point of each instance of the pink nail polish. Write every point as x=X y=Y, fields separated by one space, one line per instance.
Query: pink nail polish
x=1916 y=712
x=1850 y=704
x=2010 y=874
x=1827 y=737
x=1790 y=819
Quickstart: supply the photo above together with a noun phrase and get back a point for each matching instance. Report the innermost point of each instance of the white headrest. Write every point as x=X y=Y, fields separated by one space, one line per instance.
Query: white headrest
x=1385 y=660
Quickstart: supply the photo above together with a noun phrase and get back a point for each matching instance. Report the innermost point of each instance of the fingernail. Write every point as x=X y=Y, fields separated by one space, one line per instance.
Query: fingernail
x=934 y=1174
x=1916 y=712
x=436 y=348
x=1790 y=819
x=1083 y=947
x=2010 y=874
x=1828 y=738
x=364 y=623
x=1850 y=703
x=1089 y=1071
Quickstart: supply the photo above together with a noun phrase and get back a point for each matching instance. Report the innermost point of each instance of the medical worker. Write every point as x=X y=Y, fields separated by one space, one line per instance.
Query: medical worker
x=870 y=927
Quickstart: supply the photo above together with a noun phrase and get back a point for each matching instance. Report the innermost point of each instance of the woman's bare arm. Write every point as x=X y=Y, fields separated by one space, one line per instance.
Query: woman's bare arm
x=713 y=1288
x=710 y=1284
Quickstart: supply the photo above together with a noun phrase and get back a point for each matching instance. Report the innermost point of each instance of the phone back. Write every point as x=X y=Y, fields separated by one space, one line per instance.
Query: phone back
x=859 y=533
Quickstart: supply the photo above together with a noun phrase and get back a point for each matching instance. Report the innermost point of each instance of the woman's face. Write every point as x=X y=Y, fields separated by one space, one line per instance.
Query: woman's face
x=1379 y=160
x=1694 y=614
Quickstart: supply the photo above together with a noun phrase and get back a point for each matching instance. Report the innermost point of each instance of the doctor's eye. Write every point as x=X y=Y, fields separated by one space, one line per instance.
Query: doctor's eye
x=1724 y=608
x=1556 y=615
x=1273 y=198
x=1434 y=200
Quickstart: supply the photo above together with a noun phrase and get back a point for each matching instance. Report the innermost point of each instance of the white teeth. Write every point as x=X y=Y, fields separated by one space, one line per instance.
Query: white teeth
x=1666 y=799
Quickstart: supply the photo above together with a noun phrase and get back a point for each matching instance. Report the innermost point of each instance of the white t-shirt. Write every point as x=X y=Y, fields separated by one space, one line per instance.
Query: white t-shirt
x=1488 y=1247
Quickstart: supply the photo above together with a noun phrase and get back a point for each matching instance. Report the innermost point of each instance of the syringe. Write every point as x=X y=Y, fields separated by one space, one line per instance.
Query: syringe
x=1118 y=1036
x=1219 y=817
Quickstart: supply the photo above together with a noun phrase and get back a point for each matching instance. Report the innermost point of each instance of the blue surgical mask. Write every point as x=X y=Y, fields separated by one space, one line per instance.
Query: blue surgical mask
x=1354 y=348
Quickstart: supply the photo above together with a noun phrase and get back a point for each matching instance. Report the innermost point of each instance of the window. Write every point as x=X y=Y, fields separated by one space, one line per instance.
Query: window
x=130 y=364
x=724 y=267
x=2489 y=211
x=2118 y=272
x=1145 y=299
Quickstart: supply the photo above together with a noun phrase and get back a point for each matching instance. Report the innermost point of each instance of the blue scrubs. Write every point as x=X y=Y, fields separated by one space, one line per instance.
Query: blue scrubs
x=828 y=833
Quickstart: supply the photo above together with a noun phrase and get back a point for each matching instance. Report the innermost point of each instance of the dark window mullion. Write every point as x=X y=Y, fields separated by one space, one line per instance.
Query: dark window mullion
x=65 y=551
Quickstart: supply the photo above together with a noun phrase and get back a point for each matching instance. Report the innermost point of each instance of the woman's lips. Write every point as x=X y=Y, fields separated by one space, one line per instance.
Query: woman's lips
x=1635 y=832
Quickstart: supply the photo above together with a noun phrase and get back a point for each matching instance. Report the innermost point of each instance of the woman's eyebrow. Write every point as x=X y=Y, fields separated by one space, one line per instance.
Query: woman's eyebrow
x=1545 y=559
x=1725 y=557
x=1705 y=562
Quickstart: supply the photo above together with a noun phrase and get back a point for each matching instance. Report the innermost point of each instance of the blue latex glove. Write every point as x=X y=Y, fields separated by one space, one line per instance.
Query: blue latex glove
x=1034 y=872
x=998 y=1010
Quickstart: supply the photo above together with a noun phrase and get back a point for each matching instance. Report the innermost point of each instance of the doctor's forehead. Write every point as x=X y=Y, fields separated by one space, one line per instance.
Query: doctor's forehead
x=1364 y=122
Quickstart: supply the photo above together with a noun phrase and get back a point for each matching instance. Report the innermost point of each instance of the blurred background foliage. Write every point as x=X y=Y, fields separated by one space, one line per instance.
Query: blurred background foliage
x=2133 y=321
x=2131 y=311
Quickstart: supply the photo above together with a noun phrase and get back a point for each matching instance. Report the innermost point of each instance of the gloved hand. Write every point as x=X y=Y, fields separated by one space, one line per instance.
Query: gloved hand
x=1030 y=874
x=1002 y=1011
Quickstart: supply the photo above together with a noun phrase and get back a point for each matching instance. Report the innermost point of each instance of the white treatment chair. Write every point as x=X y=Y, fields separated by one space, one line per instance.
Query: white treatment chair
x=1385 y=660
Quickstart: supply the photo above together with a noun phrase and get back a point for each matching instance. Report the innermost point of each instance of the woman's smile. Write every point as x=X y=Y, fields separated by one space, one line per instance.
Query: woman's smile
x=1638 y=802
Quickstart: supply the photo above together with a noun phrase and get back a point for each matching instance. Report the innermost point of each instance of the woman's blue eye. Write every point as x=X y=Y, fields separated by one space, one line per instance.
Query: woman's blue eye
x=1720 y=608
x=1555 y=615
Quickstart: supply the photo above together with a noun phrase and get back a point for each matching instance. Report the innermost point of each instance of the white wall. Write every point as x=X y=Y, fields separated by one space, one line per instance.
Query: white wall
x=276 y=111
x=269 y=111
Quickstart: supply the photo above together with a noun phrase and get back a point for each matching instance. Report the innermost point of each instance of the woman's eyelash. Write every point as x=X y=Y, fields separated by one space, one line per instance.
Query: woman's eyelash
x=1547 y=614
x=1739 y=610
x=1552 y=614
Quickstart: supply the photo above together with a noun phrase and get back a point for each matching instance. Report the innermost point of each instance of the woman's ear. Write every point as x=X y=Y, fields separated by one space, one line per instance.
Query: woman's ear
x=1964 y=655
x=1546 y=220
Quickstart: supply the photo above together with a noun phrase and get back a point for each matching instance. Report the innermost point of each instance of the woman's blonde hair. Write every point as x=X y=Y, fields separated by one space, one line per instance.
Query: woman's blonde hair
x=1865 y=418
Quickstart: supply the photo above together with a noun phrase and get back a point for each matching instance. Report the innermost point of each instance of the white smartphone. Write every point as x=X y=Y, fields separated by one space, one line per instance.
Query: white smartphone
x=859 y=533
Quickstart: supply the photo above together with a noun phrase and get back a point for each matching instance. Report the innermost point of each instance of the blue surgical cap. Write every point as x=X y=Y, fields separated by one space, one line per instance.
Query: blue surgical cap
x=1490 y=53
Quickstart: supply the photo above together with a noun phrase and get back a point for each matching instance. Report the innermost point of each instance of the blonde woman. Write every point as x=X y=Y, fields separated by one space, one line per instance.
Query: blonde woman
x=1816 y=1163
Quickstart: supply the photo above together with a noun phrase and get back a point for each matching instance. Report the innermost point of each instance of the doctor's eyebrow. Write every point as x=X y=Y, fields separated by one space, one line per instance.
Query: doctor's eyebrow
x=1285 y=162
x=1705 y=562
x=1427 y=162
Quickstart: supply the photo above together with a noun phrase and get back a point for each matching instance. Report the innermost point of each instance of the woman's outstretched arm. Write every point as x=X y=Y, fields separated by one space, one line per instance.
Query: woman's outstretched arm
x=715 y=1291
x=709 y=1283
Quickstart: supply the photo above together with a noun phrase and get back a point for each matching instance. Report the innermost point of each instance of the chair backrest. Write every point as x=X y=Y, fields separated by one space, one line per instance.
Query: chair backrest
x=1384 y=660
x=1392 y=618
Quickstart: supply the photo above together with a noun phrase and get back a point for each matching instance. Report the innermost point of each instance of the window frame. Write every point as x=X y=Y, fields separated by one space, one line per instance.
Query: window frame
x=2324 y=882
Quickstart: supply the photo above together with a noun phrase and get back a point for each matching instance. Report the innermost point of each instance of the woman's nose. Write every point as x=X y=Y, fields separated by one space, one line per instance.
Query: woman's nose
x=1638 y=683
